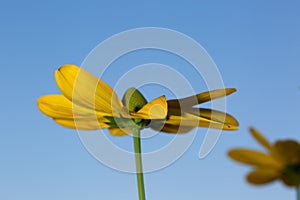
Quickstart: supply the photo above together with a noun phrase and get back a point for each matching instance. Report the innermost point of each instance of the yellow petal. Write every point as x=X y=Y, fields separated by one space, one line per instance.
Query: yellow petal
x=186 y=120
x=200 y=98
x=160 y=126
x=217 y=117
x=261 y=176
x=118 y=131
x=203 y=122
x=155 y=109
x=86 y=90
x=70 y=115
x=81 y=124
x=58 y=106
x=252 y=157
x=260 y=138
x=195 y=117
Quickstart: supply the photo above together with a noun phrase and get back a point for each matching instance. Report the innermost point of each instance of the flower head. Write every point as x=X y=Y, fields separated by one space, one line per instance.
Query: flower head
x=279 y=161
x=89 y=103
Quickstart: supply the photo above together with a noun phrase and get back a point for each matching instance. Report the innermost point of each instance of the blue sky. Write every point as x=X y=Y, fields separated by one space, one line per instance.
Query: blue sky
x=255 y=45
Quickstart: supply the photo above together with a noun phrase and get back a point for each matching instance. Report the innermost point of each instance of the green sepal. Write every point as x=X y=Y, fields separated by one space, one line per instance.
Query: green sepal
x=126 y=122
x=133 y=100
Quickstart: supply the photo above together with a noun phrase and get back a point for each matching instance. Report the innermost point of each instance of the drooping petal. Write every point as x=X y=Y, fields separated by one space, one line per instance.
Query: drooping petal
x=203 y=122
x=184 y=120
x=81 y=124
x=255 y=158
x=155 y=109
x=87 y=90
x=216 y=117
x=260 y=138
x=261 y=176
x=167 y=128
x=195 y=117
x=195 y=121
x=179 y=124
x=119 y=132
x=70 y=115
x=176 y=129
x=200 y=98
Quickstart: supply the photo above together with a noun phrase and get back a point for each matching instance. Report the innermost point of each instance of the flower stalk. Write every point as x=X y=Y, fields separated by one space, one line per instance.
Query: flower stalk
x=138 y=164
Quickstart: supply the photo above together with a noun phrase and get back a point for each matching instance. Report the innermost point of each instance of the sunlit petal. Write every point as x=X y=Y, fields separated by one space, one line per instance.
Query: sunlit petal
x=58 y=106
x=119 y=132
x=81 y=124
x=155 y=109
x=86 y=90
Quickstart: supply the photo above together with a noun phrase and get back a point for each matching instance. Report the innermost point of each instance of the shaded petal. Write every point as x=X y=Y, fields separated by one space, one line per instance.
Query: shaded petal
x=286 y=152
x=200 y=98
x=87 y=90
x=261 y=176
x=119 y=132
x=195 y=117
x=183 y=125
x=155 y=109
x=203 y=122
x=217 y=117
x=161 y=125
x=252 y=157
x=185 y=120
x=170 y=128
x=260 y=138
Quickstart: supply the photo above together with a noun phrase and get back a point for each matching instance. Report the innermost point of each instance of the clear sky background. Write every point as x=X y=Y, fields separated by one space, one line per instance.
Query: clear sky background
x=255 y=44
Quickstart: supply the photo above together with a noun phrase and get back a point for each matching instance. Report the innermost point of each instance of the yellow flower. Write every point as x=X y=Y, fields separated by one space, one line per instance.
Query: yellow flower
x=280 y=161
x=88 y=103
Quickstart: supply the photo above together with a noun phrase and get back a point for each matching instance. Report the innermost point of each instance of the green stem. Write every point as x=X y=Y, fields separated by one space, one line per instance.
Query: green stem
x=298 y=192
x=138 y=164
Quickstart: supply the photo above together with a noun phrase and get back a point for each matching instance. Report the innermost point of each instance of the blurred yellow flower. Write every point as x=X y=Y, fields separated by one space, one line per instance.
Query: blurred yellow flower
x=280 y=161
x=88 y=103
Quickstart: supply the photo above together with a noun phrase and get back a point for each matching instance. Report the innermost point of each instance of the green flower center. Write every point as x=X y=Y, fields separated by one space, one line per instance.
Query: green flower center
x=133 y=101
